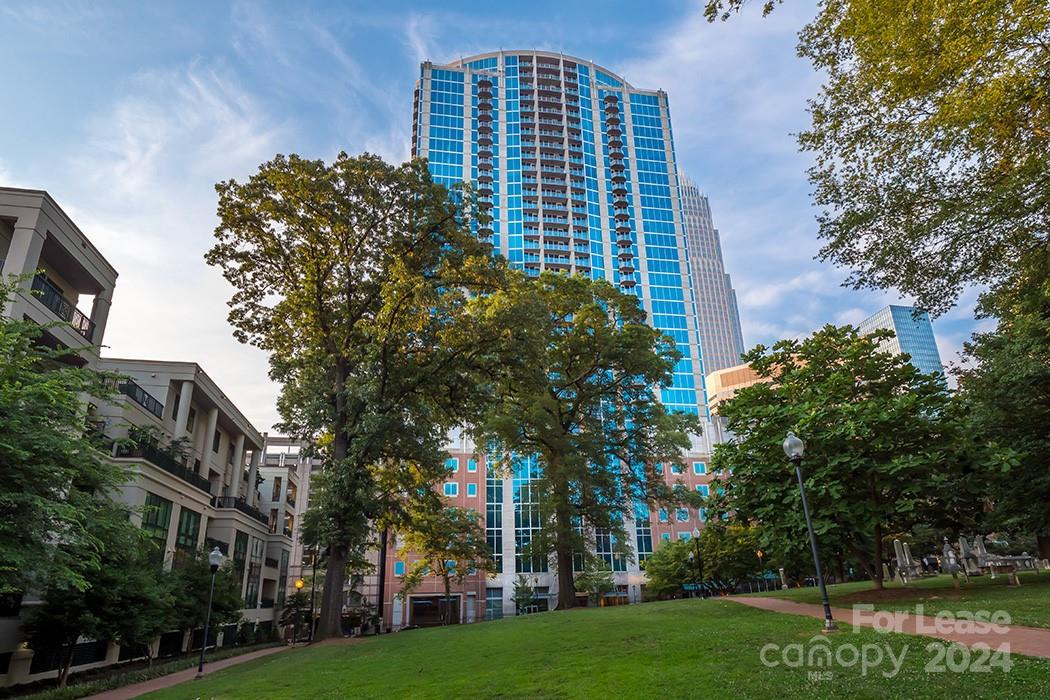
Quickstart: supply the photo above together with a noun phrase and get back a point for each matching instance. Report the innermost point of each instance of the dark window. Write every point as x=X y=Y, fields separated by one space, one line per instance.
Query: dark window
x=186 y=538
x=156 y=519
x=215 y=442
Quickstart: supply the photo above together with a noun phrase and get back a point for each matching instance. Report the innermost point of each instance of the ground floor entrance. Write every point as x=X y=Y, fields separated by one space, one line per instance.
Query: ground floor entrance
x=429 y=610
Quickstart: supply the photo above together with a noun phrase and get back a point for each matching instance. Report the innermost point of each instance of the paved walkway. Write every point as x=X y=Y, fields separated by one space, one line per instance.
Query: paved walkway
x=133 y=691
x=1031 y=641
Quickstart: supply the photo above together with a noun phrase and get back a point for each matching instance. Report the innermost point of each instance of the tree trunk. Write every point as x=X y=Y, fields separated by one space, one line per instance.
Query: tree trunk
x=381 y=607
x=841 y=567
x=448 y=602
x=563 y=548
x=67 y=662
x=1044 y=546
x=876 y=576
x=330 y=621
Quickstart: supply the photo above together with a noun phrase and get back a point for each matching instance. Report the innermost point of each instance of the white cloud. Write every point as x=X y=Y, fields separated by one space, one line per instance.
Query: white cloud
x=141 y=188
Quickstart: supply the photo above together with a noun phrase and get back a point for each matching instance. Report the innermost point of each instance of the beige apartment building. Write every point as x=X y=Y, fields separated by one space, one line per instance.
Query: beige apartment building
x=194 y=457
x=48 y=254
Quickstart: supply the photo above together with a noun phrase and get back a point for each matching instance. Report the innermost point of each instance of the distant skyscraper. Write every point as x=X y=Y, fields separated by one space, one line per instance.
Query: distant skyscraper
x=914 y=335
x=577 y=169
x=721 y=339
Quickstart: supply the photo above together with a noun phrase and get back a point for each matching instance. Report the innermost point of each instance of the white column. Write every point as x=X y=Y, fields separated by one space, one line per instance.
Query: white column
x=23 y=258
x=100 y=314
x=253 y=472
x=183 y=415
x=238 y=466
x=209 y=437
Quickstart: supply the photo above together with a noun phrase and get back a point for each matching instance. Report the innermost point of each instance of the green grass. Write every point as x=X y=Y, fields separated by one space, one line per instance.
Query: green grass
x=109 y=679
x=1027 y=605
x=675 y=649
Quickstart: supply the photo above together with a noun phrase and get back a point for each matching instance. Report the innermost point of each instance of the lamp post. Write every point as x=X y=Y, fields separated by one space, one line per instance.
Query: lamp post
x=761 y=571
x=299 y=583
x=215 y=561
x=794 y=448
x=695 y=558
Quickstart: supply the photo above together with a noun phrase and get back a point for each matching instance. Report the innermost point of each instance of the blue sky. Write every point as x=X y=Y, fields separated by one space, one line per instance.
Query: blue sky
x=128 y=113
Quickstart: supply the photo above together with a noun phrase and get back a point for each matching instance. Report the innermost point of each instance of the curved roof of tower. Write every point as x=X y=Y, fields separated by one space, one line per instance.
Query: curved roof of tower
x=463 y=60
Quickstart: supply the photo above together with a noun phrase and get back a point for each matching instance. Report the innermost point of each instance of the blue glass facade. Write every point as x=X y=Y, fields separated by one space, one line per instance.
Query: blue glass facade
x=914 y=335
x=577 y=169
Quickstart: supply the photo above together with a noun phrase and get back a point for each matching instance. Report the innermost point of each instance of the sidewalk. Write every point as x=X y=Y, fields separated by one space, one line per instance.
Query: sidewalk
x=1030 y=641
x=133 y=691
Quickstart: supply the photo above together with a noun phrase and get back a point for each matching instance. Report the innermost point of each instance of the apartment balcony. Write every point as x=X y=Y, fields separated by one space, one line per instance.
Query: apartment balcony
x=237 y=503
x=165 y=462
x=51 y=297
x=142 y=397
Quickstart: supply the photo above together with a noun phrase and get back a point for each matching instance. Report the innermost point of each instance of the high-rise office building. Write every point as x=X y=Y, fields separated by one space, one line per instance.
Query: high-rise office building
x=577 y=170
x=719 y=321
x=913 y=335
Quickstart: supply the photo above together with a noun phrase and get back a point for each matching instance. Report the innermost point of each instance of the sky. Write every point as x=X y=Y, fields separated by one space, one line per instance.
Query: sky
x=129 y=113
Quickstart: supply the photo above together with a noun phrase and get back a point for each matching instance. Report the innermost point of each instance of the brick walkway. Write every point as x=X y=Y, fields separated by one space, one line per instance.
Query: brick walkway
x=133 y=691
x=1031 y=641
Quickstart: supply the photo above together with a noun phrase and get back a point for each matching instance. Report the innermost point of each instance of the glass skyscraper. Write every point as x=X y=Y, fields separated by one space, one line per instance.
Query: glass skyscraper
x=577 y=170
x=914 y=335
x=719 y=321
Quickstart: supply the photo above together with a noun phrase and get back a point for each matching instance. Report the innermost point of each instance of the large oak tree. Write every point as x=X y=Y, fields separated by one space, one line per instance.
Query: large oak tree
x=580 y=394
x=354 y=276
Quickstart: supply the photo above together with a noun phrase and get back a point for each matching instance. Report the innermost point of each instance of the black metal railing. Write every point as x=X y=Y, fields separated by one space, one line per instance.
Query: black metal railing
x=287 y=531
x=142 y=397
x=166 y=462
x=271 y=562
x=289 y=498
x=50 y=296
x=266 y=603
x=241 y=505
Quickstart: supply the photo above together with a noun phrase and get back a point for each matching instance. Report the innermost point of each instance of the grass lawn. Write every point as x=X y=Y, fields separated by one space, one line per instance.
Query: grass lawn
x=675 y=649
x=1027 y=605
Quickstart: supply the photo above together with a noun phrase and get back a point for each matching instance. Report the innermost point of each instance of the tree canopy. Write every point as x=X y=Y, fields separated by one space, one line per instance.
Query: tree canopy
x=354 y=276
x=449 y=542
x=54 y=495
x=885 y=448
x=579 y=393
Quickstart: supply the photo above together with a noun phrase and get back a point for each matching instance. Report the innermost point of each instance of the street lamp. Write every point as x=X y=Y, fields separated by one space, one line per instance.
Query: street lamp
x=699 y=562
x=299 y=583
x=215 y=561
x=794 y=448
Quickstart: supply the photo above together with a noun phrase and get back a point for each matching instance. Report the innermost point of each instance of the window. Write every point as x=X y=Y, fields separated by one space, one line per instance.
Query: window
x=699 y=468
x=451 y=488
x=666 y=537
x=175 y=406
x=676 y=469
x=472 y=489
x=663 y=515
x=452 y=464
x=240 y=555
x=682 y=515
x=703 y=489
x=702 y=514
x=472 y=465
x=156 y=519
x=215 y=439
x=191 y=419
x=276 y=495
x=399 y=568
x=186 y=538
x=659 y=468
x=493 y=603
x=685 y=536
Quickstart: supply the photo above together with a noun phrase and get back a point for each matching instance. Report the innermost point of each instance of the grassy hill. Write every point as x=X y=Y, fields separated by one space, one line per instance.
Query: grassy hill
x=677 y=649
